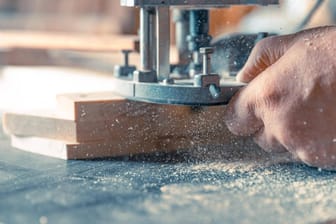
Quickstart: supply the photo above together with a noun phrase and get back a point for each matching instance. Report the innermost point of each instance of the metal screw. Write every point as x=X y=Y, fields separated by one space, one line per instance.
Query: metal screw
x=206 y=51
x=126 y=56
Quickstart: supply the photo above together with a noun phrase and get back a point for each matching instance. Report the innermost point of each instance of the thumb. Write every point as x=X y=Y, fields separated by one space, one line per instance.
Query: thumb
x=264 y=54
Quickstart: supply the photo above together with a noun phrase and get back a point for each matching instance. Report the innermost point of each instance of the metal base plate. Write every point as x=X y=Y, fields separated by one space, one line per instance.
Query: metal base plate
x=182 y=92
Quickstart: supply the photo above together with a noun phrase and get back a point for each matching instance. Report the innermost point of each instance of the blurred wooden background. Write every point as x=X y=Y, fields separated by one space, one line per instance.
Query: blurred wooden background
x=93 y=16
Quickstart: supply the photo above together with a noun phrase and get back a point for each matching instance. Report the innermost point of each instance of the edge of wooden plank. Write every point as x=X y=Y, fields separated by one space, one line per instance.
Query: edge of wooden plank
x=31 y=124
x=108 y=149
x=144 y=122
x=66 y=150
x=39 y=146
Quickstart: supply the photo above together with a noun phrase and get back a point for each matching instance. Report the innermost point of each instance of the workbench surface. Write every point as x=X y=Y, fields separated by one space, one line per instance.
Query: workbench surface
x=220 y=185
x=165 y=189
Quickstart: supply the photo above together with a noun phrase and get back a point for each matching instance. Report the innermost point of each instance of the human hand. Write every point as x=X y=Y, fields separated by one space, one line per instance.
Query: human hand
x=290 y=101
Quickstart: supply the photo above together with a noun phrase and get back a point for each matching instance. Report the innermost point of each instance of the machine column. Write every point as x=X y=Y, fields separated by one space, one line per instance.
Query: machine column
x=162 y=42
x=147 y=39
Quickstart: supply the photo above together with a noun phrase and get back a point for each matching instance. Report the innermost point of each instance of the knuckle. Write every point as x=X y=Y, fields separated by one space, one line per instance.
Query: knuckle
x=266 y=43
x=269 y=98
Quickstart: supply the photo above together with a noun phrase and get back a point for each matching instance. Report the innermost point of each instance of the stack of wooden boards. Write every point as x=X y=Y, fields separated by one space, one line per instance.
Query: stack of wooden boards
x=98 y=125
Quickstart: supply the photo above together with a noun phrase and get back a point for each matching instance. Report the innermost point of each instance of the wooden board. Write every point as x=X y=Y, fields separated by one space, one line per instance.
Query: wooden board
x=115 y=126
x=104 y=116
x=122 y=128
x=66 y=41
x=106 y=149
x=107 y=105
x=159 y=118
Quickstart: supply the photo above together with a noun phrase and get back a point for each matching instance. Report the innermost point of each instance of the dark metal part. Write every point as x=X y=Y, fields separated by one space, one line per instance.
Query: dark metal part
x=126 y=69
x=214 y=91
x=198 y=30
x=198 y=37
x=207 y=79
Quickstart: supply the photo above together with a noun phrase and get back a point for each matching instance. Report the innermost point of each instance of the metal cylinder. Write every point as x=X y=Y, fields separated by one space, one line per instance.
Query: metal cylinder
x=206 y=52
x=206 y=64
x=147 y=33
x=199 y=22
x=126 y=56
x=198 y=30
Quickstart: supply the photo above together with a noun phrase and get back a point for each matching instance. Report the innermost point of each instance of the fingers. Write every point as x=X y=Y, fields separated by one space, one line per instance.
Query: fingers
x=271 y=49
x=240 y=115
x=264 y=54
x=247 y=110
x=247 y=114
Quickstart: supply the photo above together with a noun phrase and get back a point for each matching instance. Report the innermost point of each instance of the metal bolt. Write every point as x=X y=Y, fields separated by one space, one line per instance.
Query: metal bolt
x=206 y=51
x=126 y=69
x=214 y=91
x=126 y=56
